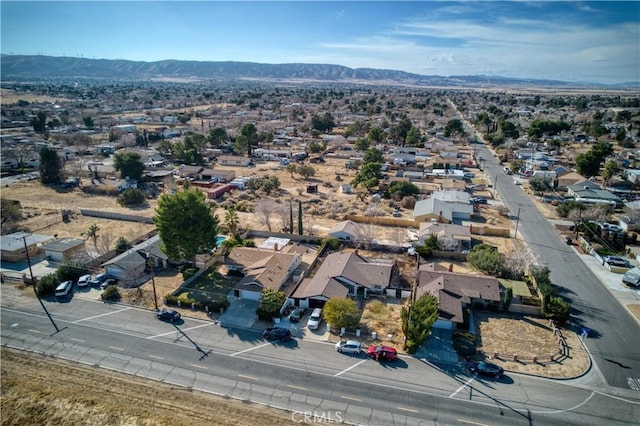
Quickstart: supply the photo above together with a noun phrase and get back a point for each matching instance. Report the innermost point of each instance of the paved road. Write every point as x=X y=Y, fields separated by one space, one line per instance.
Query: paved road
x=615 y=340
x=302 y=375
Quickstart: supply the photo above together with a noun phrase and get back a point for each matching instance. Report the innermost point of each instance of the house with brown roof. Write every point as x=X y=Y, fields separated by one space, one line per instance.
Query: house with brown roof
x=456 y=292
x=451 y=237
x=261 y=269
x=342 y=275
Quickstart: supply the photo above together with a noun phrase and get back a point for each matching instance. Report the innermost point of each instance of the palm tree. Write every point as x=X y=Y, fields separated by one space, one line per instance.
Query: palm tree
x=92 y=233
x=232 y=220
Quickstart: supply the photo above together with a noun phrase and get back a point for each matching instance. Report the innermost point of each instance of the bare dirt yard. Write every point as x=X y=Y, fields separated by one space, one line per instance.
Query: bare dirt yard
x=38 y=390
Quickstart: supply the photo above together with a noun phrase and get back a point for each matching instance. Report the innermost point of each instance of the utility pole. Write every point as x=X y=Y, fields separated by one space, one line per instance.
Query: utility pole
x=495 y=185
x=153 y=280
x=33 y=283
x=412 y=298
x=517 y=223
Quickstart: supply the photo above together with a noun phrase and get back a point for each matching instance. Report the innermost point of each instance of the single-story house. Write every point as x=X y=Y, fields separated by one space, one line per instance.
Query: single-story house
x=234 y=160
x=456 y=238
x=341 y=275
x=130 y=267
x=187 y=171
x=261 y=269
x=452 y=196
x=590 y=193
x=442 y=211
x=14 y=247
x=64 y=248
x=346 y=230
x=218 y=175
x=455 y=292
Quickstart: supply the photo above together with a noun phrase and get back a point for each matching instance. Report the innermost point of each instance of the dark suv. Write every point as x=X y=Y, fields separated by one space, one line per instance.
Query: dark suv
x=276 y=333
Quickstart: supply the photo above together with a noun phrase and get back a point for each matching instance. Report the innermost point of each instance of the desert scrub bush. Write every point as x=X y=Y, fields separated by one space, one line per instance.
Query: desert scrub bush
x=47 y=284
x=111 y=293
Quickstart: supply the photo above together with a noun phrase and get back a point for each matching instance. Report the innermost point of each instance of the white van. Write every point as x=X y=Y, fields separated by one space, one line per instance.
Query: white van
x=64 y=288
x=632 y=277
x=314 y=319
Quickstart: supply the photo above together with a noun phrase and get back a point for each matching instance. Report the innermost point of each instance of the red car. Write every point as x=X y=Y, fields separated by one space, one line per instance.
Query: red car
x=382 y=353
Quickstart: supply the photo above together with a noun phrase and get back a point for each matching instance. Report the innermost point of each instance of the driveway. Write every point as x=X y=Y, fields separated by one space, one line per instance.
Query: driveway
x=241 y=313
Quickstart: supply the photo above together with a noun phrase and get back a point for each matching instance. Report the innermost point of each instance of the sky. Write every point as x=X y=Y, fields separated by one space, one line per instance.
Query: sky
x=571 y=41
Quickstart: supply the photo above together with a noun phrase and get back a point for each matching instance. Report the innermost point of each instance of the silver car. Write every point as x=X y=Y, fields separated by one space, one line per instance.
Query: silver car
x=349 y=347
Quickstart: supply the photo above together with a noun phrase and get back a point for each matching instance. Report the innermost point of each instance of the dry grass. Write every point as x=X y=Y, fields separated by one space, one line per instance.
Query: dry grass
x=37 y=390
x=635 y=310
x=383 y=318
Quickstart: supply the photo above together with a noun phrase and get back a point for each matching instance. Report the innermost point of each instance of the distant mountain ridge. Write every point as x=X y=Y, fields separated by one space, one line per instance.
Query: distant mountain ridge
x=43 y=67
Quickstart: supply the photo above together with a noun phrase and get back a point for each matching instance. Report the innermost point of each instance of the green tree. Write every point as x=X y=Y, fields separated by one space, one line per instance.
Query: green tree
x=50 y=166
x=92 y=233
x=361 y=144
x=186 y=224
x=621 y=134
x=39 y=122
x=291 y=168
x=414 y=138
x=540 y=185
x=610 y=169
x=129 y=165
x=417 y=320
x=232 y=220
x=340 y=312
x=400 y=189
x=372 y=155
x=453 y=127
x=218 y=137
x=131 y=197
x=376 y=134
x=323 y=123
x=487 y=259
x=306 y=171
x=241 y=145
x=122 y=245
x=250 y=132
x=47 y=284
x=190 y=150
x=271 y=301
x=367 y=175
x=88 y=122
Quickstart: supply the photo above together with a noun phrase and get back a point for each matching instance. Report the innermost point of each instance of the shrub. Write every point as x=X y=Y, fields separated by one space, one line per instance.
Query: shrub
x=111 y=293
x=131 y=197
x=333 y=243
x=71 y=270
x=171 y=300
x=188 y=273
x=556 y=309
x=46 y=285
x=487 y=259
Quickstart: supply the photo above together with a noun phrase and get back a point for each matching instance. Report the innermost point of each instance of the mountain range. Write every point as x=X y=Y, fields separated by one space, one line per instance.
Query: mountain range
x=30 y=67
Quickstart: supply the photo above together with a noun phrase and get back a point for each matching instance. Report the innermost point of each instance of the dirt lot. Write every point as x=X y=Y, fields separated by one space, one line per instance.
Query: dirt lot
x=37 y=390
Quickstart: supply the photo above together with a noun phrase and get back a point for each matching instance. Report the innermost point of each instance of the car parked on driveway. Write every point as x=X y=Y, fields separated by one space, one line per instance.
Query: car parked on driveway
x=84 y=280
x=98 y=279
x=277 y=333
x=616 y=261
x=478 y=200
x=107 y=283
x=349 y=347
x=382 y=353
x=64 y=288
x=296 y=315
x=166 y=314
x=314 y=319
x=485 y=369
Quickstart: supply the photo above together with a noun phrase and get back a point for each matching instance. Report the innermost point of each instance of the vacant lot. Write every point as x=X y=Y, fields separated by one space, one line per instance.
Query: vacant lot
x=38 y=390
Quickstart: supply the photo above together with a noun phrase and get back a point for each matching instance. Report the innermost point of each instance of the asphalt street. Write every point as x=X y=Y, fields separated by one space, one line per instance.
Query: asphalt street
x=614 y=340
x=300 y=375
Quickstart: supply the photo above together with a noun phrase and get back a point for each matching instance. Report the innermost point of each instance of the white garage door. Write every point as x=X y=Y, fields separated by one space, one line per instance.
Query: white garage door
x=251 y=295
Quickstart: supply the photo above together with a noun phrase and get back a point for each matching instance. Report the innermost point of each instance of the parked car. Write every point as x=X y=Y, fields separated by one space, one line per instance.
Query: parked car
x=478 y=200
x=98 y=279
x=632 y=277
x=107 y=283
x=314 y=319
x=64 y=288
x=296 y=315
x=84 y=280
x=382 y=353
x=611 y=228
x=166 y=314
x=349 y=347
x=396 y=213
x=616 y=261
x=277 y=333
x=485 y=369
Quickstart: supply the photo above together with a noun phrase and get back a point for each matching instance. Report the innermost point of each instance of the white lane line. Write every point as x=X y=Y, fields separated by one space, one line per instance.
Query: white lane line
x=183 y=329
x=350 y=368
x=39 y=332
x=248 y=377
x=350 y=398
x=200 y=366
x=462 y=387
x=98 y=316
x=471 y=422
x=407 y=409
x=116 y=348
x=297 y=387
x=76 y=340
x=250 y=349
x=155 y=356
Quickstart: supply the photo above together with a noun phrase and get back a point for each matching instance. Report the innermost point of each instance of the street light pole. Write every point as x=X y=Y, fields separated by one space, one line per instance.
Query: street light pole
x=33 y=283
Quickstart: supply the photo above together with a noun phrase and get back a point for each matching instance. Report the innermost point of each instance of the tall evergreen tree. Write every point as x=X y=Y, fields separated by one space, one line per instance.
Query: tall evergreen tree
x=290 y=217
x=50 y=166
x=299 y=217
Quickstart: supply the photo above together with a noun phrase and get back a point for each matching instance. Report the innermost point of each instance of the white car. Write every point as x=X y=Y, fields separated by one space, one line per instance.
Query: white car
x=349 y=347
x=314 y=319
x=84 y=280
